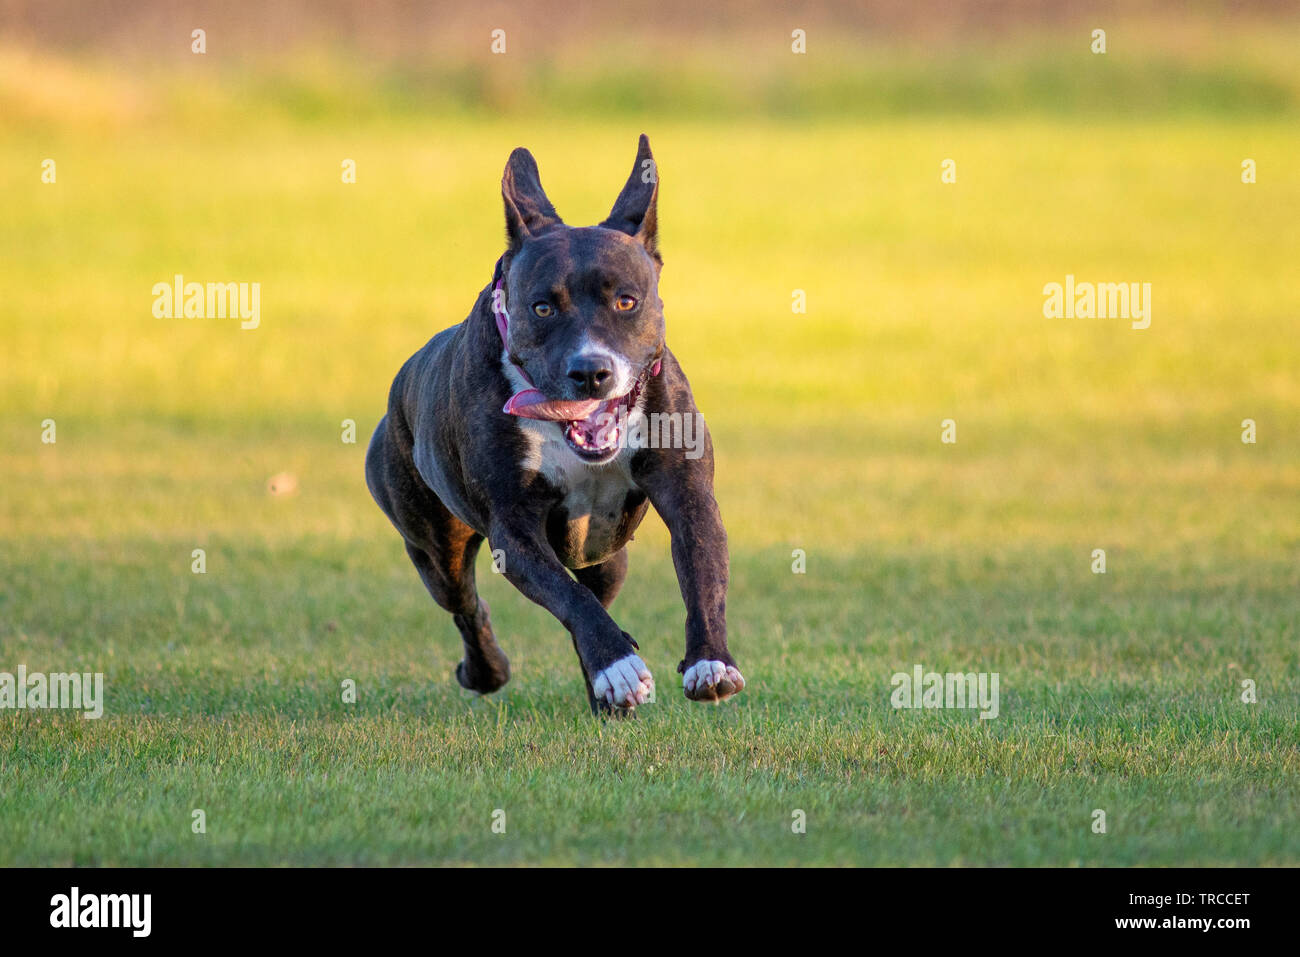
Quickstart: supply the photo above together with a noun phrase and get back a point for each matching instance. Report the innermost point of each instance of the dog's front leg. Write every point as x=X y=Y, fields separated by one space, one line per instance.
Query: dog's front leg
x=618 y=676
x=681 y=491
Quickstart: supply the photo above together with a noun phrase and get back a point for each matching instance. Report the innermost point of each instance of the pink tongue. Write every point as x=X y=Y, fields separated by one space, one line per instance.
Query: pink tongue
x=531 y=404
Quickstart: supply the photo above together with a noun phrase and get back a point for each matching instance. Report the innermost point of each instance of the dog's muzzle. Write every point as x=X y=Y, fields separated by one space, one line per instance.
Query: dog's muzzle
x=593 y=427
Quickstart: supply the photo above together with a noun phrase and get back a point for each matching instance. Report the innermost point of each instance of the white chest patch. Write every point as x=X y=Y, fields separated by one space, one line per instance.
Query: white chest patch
x=594 y=495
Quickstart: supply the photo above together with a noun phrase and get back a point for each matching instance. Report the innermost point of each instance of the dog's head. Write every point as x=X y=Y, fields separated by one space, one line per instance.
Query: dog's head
x=586 y=322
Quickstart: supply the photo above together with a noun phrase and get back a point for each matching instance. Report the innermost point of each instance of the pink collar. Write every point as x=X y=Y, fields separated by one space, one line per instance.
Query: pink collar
x=530 y=403
x=503 y=317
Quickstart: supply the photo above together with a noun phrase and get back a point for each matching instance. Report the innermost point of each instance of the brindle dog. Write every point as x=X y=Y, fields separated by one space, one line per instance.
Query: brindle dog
x=525 y=424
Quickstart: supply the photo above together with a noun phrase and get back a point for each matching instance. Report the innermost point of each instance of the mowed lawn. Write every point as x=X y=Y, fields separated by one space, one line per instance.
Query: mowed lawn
x=1119 y=692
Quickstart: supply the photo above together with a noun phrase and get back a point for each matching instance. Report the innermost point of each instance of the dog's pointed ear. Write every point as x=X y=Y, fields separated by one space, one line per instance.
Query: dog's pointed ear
x=634 y=211
x=528 y=211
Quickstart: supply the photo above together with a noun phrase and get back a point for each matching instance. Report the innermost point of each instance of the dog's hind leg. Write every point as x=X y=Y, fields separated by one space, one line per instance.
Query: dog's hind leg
x=605 y=580
x=443 y=549
x=450 y=579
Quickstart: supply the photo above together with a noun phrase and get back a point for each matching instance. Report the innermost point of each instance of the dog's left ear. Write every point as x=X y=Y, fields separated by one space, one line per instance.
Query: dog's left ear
x=528 y=211
x=634 y=210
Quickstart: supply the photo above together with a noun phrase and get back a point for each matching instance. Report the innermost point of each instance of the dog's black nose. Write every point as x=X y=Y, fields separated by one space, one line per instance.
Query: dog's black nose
x=593 y=374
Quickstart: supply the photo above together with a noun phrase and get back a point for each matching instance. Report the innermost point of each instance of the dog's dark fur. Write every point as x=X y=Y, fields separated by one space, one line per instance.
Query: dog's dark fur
x=449 y=467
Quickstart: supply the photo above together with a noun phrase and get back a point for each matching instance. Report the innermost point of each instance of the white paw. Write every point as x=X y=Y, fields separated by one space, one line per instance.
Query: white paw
x=712 y=681
x=624 y=684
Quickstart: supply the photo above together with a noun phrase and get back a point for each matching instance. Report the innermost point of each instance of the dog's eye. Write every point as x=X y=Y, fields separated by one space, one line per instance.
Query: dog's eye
x=543 y=310
x=625 y=303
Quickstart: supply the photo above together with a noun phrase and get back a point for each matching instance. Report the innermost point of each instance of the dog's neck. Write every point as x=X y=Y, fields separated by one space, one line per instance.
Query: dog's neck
x=501 y=314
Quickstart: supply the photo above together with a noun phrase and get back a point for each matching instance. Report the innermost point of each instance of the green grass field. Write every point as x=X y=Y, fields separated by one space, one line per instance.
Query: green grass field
x=1120 y=691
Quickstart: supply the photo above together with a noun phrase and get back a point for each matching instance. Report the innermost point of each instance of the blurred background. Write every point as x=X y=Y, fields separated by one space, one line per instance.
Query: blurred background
x=355 y=61
x=779 y=172
x=818 y=172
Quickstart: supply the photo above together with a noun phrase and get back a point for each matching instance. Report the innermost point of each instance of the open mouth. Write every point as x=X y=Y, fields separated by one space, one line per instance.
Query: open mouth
x=593 y=428
x=599 y=436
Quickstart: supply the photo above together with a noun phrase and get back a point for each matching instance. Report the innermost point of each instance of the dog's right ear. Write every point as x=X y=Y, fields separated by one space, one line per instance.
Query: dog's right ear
x=634 y=211
x=528 y=211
